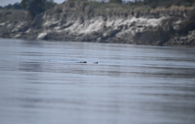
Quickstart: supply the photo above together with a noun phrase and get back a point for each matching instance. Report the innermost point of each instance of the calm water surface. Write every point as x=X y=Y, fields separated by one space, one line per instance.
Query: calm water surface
x=43 y=83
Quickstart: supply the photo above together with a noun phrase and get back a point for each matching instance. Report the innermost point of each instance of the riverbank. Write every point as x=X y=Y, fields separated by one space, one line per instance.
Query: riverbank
x=103 y=22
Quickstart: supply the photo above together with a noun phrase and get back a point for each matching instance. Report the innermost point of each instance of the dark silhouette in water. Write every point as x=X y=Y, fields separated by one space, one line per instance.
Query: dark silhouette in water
x=86 y=62
x=82 y=62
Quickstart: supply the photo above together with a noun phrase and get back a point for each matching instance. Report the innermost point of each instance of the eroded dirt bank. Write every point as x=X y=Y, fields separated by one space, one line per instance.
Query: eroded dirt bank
x=64 y=23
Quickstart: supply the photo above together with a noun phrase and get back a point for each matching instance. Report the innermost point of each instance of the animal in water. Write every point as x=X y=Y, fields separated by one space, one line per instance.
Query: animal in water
x=86 y=62
x=82 y=62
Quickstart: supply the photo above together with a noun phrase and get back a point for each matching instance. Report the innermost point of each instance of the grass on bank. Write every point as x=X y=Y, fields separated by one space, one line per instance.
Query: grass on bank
x=12 y=15
x=94 y=8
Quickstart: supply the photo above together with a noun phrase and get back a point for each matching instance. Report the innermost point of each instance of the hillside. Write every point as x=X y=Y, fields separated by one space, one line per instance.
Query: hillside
x=91 y=21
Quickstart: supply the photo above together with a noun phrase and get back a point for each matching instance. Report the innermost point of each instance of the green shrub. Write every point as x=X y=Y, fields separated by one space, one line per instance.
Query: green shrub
x=116 y=1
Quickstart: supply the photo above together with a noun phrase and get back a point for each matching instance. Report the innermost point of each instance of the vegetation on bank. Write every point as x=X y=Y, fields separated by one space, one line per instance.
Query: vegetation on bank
x=12 y=6
x=101 y=7
x=117 y=6
x=35 y=7
x=12 y=15
x=163 y=3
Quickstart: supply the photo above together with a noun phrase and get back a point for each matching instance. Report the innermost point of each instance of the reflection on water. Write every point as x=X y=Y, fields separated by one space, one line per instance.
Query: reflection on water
x=41 y=82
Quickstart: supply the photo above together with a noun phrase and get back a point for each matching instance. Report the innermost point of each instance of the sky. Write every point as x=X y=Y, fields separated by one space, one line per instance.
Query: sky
x=6 y=2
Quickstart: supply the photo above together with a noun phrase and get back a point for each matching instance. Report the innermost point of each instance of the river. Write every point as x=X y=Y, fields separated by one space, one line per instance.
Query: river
x=42 y=82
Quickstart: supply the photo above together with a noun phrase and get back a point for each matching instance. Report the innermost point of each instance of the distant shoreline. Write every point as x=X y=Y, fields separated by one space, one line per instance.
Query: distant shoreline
x=142 y=26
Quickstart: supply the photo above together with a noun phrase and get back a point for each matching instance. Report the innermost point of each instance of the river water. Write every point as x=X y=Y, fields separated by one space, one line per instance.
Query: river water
x=43 y=83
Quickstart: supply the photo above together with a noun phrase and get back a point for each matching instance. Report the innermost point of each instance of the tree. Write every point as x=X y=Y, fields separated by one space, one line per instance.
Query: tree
x=9 y=6
x=33 y=6
x=116 y=1
x=17 y=6
x=49 y=4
